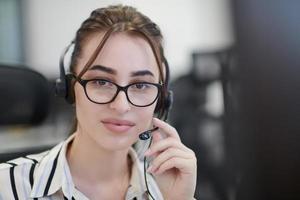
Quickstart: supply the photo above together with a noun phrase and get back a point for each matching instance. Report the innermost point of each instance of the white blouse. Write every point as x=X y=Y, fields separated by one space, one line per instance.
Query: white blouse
x=47 y=176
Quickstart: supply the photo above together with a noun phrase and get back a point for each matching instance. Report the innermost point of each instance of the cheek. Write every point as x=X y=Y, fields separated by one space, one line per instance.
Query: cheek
x=84 y=108
x=145 y=115
x=147 y=112
x=80 y=98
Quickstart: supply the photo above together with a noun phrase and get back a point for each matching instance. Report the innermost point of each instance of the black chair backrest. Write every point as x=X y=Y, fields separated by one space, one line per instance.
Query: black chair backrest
x=24 y=96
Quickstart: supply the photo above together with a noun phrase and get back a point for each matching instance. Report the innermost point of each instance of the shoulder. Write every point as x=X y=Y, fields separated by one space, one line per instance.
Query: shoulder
x=15 y=172
x=17 y=175
x=27 y=160
x=22 y=161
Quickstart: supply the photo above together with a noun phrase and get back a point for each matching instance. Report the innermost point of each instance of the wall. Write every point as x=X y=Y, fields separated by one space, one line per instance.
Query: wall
x=10 y=32
x=187 y=25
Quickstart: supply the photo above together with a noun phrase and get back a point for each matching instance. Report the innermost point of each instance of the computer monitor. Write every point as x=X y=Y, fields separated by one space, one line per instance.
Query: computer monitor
x=264 y=100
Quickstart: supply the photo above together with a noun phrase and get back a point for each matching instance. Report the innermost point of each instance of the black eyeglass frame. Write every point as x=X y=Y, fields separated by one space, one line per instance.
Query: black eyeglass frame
x=83 y=83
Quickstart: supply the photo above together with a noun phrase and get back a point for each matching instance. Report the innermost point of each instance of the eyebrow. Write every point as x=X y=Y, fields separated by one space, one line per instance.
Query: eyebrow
x=141 y=73
x=112 y=71
x=104 y=69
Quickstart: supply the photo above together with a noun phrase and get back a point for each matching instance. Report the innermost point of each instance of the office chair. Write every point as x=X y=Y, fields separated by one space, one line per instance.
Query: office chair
x=24 y=101
x=24 y=96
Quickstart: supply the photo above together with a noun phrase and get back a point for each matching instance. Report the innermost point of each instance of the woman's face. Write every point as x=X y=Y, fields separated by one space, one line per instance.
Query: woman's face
x=124 y=59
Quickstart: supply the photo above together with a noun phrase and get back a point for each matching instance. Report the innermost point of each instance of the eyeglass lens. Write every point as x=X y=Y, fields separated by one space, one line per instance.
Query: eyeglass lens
x=140 y=94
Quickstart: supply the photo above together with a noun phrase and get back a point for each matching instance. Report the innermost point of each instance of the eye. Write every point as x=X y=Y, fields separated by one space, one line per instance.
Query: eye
x=101 y=83
x=141 y=86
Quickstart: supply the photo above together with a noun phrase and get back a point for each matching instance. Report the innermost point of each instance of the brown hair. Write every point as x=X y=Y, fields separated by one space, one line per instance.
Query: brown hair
x=117 y=18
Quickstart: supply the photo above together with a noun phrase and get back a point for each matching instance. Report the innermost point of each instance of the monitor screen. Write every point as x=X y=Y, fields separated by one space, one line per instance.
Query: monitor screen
x=264 y=100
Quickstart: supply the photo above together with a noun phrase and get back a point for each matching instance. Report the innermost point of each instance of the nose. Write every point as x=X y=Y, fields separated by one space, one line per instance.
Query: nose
x=120 y=103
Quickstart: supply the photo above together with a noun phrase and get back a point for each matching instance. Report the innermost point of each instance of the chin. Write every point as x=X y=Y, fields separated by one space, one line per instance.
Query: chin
x=116 y=143
x=116 y=147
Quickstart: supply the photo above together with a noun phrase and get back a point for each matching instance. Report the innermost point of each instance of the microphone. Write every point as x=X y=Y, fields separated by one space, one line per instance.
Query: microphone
x=146 y=135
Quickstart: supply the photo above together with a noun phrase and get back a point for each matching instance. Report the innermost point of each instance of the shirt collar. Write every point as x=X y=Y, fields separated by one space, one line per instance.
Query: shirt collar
x=137 y=184
x=49 y=178
x=50 y=174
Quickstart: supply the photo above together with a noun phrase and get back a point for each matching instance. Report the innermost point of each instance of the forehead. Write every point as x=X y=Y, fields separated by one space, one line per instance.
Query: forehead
x=122 y=52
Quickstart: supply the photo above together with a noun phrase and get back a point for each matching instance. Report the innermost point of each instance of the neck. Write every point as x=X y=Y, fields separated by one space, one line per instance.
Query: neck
x=90 y=163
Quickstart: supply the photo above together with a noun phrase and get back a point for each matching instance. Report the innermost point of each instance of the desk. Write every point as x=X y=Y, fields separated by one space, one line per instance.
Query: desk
x=18 y=141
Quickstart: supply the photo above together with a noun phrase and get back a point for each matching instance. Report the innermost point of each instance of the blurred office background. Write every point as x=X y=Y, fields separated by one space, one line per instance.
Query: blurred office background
x=34 y=33
x=200 y=45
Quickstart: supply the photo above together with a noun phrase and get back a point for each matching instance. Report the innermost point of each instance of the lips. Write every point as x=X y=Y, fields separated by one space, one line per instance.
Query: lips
x=117 y=126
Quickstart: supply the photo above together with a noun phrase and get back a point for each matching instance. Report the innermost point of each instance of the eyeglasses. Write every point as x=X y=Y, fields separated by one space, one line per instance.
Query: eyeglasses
x=101 y=91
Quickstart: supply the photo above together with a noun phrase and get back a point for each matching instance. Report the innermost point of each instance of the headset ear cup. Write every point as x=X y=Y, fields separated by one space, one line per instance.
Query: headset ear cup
x=60 y=88
x=159 y=105
x=69 y=89
x=168 y=101
x=63 y=84
x=164 y=105
x=157 y=108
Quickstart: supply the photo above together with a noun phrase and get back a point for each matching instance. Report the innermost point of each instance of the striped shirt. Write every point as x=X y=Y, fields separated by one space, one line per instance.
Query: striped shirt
x=47 y=176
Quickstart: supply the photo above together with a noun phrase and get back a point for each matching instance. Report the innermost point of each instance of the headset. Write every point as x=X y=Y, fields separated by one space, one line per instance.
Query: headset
x=63 y=88
x=63 y=83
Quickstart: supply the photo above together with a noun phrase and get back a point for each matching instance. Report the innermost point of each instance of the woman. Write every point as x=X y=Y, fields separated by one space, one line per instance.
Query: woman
x=117 y=84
